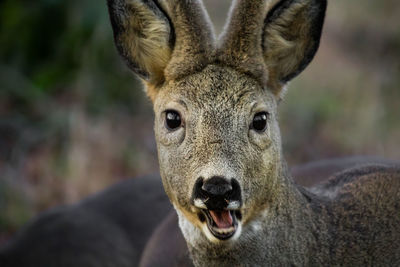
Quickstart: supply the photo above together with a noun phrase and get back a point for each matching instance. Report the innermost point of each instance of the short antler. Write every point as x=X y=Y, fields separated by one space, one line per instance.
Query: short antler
x=194 y=37
x=241 y=42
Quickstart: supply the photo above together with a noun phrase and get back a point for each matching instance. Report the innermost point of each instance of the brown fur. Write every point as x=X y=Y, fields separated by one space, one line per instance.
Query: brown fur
x=153 y=49
x=143 y=37
x=307 y=175
x=366 y=211
x=150 y=46
x=268 y=50
x=271 y=43
x=194 y=38
x=241 y=42
x=217 y=89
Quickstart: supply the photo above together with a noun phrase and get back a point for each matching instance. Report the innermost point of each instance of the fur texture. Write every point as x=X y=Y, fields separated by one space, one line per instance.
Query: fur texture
x=291 y=37
x=308 y=175
x=143 y=36
x=271 y=41
x=154 y=49
x=100 y=231
x=217 y=90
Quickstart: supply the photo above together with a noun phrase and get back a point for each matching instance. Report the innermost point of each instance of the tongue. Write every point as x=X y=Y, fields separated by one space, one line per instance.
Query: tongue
x=222 y=219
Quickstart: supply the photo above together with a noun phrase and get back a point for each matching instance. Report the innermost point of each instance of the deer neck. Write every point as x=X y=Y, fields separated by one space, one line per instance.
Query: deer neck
x=279 y=234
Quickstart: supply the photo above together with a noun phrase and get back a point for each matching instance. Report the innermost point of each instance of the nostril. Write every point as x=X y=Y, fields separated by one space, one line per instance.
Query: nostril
x=198 y=192
x=217 y=186
x=199 y=183
x=236 y=191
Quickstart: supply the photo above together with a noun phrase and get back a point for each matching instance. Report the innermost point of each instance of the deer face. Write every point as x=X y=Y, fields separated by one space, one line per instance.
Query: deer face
x=215 y=102
x=217 y=125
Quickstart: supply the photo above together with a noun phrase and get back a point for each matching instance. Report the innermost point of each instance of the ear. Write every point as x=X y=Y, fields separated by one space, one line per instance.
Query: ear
x=291 y=36
x=162 y=40
x=272 y=40
x=143 y=36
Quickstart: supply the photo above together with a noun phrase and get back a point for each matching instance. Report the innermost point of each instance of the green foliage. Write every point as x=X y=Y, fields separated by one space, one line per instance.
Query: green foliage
x=60 y=49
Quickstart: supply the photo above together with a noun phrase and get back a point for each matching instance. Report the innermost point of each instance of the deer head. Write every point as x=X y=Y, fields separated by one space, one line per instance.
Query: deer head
x=215 y=102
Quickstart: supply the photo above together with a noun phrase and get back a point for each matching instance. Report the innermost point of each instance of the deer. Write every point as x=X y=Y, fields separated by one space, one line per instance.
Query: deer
x=107 y=229
x=129 y=224
x=219 y=146
x=310 y=175
x=234 y=199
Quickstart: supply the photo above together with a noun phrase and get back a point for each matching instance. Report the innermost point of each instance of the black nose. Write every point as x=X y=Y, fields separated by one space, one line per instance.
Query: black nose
x=217 y=186
x=217 y=192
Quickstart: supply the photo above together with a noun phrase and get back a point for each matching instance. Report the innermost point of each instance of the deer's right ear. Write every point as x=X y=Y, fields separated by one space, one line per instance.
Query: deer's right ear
x=143 y=36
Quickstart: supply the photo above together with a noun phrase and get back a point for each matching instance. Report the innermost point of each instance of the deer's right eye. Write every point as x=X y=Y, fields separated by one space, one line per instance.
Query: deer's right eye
x=259 y=123
x=172 y=120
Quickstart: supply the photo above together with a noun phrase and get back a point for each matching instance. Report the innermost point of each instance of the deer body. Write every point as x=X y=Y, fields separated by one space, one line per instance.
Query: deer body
x=219 y=145
x=103 y=230
x=82 y=234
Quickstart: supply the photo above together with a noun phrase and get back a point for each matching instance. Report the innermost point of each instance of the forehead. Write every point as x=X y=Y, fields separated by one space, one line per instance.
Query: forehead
x=217 y=87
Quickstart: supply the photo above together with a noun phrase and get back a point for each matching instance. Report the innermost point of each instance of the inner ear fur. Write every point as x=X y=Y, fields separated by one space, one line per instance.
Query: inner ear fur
x=291 y=36
x=143 y=36
x=162 y=40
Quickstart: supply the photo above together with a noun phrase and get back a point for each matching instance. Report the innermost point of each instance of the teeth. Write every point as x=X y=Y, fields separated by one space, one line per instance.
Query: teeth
x=224 y=231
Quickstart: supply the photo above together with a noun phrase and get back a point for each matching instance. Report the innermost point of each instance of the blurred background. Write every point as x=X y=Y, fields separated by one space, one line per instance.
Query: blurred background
x=73 y=119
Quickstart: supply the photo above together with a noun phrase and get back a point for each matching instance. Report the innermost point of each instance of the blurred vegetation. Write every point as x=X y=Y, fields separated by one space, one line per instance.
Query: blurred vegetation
x=73 y=119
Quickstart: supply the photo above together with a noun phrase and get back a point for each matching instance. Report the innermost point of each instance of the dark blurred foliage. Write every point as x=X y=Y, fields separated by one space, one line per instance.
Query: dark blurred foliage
x=64 y=93
x=73 y=119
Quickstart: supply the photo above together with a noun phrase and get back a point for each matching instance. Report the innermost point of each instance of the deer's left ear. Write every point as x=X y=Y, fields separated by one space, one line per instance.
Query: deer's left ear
x=291 y=35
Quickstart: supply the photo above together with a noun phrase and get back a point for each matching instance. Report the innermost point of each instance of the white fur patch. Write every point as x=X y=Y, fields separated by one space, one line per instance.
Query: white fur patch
x=191 y=233
x=209 y=235
x=217 y=168
x=256 y=226
x=233 y=205
x=237 y=233
x=200 y=203
x=215 y=240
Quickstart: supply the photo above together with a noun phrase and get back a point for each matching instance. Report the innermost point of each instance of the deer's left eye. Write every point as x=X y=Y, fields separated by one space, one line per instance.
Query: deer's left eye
x=172 y=120
x=259 y=123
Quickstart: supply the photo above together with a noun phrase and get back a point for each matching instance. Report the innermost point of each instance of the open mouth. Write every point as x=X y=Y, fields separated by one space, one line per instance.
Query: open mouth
x=218 y=202
x=222 y=223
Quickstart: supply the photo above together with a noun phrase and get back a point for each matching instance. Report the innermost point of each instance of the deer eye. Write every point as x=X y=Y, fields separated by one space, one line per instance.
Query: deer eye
x=172 y=120
x=259 y=122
